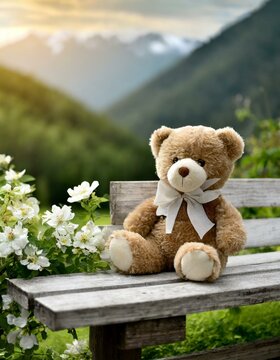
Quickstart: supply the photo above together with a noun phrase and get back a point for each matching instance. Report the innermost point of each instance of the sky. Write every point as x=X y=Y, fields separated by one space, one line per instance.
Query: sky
x=198 y=19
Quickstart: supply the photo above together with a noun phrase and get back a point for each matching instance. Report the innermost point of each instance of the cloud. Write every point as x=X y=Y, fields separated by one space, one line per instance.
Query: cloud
x=196 y=19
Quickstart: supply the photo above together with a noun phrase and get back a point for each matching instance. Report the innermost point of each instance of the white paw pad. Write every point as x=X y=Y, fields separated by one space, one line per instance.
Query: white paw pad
x=197 y=265
x=120 y=253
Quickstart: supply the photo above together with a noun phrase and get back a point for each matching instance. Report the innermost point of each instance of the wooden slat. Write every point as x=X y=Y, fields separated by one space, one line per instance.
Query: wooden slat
x=157 y=301
x=152 y=332
x=257 y=350
x=260 y=232
x=125 y=195
x=24 y=291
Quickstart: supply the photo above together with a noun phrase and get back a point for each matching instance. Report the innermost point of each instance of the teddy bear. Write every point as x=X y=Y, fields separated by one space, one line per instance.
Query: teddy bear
x=188 y=225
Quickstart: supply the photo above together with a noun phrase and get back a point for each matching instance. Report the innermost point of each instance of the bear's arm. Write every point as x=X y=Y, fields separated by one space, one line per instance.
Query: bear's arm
x=230 y=231
x=142 y=219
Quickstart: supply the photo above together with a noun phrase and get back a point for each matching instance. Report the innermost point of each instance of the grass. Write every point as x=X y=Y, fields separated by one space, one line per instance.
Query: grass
x=206 y=330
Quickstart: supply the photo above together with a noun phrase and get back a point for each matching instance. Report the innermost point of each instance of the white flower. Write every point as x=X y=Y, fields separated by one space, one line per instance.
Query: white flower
x=82 y=191
x=6 y=188
x=62 y=241
x=20 y=321
x=12 y=175
x=28 y=341
x=65 y=228
x=58 y=216
x=76 y=348
x=22 y=189
x=34 y=260
x=13 y=240
x=12 y=336
x=25 y=210
x=6 y=301
x=5 y=160
x=88 y=237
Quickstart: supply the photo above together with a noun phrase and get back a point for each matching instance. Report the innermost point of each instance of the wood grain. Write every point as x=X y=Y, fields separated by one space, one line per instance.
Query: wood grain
x=125 y=195
x=260 y=232
x=257 y=350
x=152 y=332
x=24 y=291
x=156 y=301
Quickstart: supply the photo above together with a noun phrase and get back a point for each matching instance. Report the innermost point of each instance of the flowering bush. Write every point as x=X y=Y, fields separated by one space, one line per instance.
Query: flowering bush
x=33 y=244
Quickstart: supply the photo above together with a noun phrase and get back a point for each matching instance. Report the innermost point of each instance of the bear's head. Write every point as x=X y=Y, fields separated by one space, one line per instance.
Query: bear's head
x=186 y=157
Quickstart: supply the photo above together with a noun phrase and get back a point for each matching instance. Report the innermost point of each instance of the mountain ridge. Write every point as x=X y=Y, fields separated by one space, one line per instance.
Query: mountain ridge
x=202 y=89
x=97 y=70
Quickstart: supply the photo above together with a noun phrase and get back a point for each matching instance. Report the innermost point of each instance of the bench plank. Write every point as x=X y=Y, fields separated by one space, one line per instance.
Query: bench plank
x=157 y=301
x=24 y=291
x=260 y=232
x=126 y=195
x=257 y=350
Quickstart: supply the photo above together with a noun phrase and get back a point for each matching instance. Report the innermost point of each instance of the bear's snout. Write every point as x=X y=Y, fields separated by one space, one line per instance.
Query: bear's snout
x=183 y=171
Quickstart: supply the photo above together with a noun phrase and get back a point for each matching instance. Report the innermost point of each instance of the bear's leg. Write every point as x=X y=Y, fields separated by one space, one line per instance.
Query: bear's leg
x=132 y=254
x=198 y=262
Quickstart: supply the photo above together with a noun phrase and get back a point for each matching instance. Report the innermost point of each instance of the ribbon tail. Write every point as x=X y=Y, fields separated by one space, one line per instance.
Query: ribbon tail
x=173 y=209
x=198 y=218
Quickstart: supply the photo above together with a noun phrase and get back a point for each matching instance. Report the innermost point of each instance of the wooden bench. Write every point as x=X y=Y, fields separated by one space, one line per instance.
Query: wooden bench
x=125 y=313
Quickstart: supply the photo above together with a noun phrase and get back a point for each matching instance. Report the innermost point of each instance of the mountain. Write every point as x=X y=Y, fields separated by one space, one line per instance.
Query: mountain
x=243 y=62
x=61 y=143
x=97 y=70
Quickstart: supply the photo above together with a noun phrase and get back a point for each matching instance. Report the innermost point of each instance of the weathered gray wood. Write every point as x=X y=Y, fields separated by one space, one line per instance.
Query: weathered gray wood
x=24 y=291
x=104 y=344
x=158 y=301
x=257 y=350
x=125 y=195
x=152 y=332
x=260 y=232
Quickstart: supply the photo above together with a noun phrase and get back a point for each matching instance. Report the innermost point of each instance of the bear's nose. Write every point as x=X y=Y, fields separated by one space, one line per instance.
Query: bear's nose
x=183 y=171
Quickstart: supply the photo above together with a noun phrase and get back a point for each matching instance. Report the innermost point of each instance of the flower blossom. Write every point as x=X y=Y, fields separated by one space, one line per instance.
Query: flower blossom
x=20 y=321
x=22 y=189
x=25 y=210
x=58 y=216
x=77 y=349
x=25 y=341
x=34 y=260
x=88 y=238
x=13 y=240
x=5 y=159
x=6 y=301
x=82 y=191
x=12 y=175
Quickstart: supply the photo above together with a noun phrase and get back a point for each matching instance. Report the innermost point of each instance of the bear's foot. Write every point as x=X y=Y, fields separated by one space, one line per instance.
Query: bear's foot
x=120 y=252
x=197 y=262
x=130 y=253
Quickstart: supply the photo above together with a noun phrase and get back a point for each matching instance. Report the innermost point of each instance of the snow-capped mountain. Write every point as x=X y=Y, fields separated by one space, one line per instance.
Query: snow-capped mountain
x=98 y=70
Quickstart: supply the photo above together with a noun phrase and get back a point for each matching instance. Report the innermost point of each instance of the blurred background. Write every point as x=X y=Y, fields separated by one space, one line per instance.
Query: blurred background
x=83 y=83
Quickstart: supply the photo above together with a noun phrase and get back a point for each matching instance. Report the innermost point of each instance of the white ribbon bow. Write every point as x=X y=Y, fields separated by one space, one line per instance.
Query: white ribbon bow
x=169 y=202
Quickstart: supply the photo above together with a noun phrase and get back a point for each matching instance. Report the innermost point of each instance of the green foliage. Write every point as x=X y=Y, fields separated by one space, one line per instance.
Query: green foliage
x=62 y=143
x=221 y=328
x=204 y=87
x=262 y=157
x=32 y=245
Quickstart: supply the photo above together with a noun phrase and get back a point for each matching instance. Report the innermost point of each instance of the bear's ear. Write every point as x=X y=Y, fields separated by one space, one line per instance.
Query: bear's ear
x=157 y=138
x=233 y=142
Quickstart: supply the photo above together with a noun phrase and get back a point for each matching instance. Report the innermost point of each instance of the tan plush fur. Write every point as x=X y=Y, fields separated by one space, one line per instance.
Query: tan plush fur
x=152 y=249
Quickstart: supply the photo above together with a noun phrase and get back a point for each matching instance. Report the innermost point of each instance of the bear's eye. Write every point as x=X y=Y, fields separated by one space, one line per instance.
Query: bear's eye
x=201 y=162
x=175 y=160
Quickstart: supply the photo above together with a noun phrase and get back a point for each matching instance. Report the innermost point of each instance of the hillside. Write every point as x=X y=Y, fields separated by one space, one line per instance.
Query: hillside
x=98 y=70
x=61 y=143
x=202 y=89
